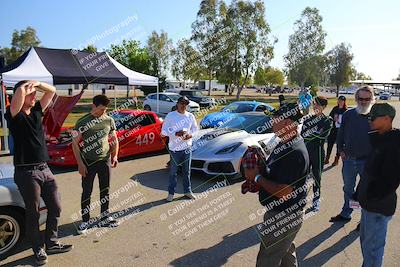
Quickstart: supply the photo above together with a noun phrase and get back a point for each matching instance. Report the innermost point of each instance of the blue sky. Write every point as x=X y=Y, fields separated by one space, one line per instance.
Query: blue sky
x=372 y=27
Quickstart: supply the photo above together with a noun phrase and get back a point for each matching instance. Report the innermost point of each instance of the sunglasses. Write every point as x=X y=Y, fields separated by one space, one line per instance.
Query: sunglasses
x=372 y=118
x=364 y=99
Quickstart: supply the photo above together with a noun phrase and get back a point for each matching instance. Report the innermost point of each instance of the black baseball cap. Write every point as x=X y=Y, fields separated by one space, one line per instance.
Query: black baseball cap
x=381 y=110
x=321 y=101
x=183 y=99
x=289 y=111
x=342 y=97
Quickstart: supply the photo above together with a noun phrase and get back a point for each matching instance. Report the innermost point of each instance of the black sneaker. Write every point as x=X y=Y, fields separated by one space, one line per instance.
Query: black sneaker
x=339 y=218
x=40 y=257
x=58 y=248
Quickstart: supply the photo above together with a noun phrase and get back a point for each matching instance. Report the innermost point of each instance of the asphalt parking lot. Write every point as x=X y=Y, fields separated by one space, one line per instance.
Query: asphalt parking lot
x=156 y=233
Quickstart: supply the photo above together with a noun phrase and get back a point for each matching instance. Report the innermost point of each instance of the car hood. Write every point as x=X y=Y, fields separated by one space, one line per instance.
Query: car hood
x=213 y=140
x=203 y=98
x=6 y=170
x=214 y=118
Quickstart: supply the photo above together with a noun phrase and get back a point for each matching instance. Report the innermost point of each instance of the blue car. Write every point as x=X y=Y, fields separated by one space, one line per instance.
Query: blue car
x=229 y=112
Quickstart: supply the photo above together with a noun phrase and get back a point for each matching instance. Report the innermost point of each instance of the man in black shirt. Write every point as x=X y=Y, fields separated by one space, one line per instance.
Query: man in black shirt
x=32 y=175
x=283 y=190
x=377 y=188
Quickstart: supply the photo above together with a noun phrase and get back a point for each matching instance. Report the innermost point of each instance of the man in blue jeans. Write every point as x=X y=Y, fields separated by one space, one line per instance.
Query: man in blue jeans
x=180 y=126
x=354 y=146
x=377 y=190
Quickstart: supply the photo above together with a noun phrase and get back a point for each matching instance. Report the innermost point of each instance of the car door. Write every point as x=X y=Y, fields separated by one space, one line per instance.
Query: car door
x=143 y=135
x=163 y=104
x=169 y=104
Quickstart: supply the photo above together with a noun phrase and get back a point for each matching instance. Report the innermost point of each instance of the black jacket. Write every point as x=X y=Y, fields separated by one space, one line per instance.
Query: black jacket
x=377 y=190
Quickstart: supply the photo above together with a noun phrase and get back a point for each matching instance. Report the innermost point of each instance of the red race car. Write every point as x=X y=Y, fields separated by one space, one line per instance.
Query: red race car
x=138 y=132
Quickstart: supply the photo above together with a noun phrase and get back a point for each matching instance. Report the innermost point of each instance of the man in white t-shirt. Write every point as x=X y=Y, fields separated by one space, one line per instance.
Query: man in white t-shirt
x=180 y=126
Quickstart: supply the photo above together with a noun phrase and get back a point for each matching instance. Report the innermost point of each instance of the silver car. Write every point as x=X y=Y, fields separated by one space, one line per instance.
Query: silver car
x=12 y=211
x=219 y=151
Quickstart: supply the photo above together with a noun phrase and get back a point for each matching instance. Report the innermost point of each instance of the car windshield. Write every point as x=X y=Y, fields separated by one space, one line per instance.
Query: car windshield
x=239 y=107
x=174 y=97
x=121 y=119
x=196 y=93
x=250 y=123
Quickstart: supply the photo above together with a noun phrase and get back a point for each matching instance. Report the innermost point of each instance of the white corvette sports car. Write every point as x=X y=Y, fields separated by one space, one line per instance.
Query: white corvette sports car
x=219 y=151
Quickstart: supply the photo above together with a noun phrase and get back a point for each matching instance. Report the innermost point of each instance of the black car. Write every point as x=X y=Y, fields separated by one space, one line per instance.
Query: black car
x=198 y=97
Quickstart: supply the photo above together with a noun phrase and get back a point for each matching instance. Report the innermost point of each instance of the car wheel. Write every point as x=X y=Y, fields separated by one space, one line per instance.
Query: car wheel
x=11 y=229
x=147 y=107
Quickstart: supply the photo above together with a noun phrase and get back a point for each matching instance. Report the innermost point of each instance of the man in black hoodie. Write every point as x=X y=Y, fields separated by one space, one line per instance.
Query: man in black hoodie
x=377 y=189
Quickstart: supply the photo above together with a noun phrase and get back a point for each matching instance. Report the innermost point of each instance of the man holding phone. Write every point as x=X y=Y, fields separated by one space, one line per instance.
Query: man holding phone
x=180 y=126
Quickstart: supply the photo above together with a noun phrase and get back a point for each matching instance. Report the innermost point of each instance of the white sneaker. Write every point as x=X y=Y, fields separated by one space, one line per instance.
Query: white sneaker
x=190 y=195
x=170 y=197
x=83 y=228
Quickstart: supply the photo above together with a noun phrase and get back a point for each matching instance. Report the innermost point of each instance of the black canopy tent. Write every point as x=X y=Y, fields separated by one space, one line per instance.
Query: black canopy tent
x=68 y=66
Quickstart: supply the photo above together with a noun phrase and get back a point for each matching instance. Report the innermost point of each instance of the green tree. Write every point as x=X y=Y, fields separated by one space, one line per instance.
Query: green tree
x=185 y=61
x=20 y=43
x=274 y=76
x=340 y=68
x=131 y=55
x=90 y=48
x=306 y=44
x=260 y=77
x=248 y=47
x=159 y=48
x=207 y=31
x=363 y=76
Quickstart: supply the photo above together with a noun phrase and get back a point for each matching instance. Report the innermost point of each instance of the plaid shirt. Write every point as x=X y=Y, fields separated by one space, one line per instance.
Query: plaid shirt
x=253 y=158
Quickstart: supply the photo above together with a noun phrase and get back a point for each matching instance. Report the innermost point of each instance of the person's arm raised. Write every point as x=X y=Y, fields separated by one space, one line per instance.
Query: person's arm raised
x=49 y=91
x=18 y=98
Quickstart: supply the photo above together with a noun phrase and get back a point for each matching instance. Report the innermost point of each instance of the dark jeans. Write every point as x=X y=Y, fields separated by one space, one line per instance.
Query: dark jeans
x=373 y=232
x=103 y=170
x=277 y=234
x=351 y=167
x=180 y=158
x=331 y=141
x=34 y=182
x=316 y=154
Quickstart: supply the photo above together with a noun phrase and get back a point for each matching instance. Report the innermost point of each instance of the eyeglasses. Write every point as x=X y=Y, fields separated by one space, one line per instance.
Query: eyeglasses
x=364 y=99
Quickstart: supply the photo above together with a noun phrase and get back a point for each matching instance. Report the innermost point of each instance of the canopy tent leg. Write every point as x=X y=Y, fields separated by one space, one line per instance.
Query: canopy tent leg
x=4 y=122
x=158 y=97
x=115 y=98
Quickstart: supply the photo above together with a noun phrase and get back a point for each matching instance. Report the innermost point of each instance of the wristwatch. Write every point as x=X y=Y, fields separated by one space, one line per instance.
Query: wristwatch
x=257 y=178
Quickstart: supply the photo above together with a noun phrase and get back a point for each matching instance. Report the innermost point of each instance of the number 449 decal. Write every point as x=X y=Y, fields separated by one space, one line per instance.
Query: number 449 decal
x=145 y=139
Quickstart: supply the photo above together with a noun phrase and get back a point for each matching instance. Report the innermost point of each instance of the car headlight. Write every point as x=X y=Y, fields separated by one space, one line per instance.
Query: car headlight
x=229 y=149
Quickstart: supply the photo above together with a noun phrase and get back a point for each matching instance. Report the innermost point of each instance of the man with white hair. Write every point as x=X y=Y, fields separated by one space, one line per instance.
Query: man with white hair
x=354 y=146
